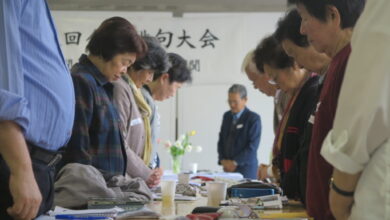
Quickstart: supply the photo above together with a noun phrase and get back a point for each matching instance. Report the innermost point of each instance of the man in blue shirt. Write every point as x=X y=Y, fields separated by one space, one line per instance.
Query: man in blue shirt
x=36 y=107
x=239 y=137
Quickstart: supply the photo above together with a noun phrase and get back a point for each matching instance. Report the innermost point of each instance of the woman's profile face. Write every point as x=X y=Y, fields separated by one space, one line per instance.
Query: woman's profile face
x=144 y=76
x=298 y=53
x=280 y=77
x=167 y=90
x=117 y=66
x=302 y=55
x=323 y=35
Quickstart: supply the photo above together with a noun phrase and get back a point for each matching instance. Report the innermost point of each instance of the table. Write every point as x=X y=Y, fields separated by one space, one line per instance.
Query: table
x=182 y=208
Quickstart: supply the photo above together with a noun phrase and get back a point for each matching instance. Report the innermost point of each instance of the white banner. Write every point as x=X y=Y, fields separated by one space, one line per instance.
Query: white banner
x=204 y=42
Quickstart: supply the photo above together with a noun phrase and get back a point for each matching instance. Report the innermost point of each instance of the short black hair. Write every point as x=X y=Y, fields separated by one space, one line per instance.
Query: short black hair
x=178 y=72
x=349 y=10
x=155 y=59
x=269 y=51
x=288 y=28
x=114 y=36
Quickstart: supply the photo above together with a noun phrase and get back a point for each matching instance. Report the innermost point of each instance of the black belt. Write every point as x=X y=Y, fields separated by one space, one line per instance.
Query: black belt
x=50 y=158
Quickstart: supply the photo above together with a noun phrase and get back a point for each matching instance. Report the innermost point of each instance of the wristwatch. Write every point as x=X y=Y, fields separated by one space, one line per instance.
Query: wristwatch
x=340 y=191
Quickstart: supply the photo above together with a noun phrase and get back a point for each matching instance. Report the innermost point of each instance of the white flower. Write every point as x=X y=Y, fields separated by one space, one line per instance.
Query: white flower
x=178 y=144
x=188 y=148
x=182 y=137
x=198 y=149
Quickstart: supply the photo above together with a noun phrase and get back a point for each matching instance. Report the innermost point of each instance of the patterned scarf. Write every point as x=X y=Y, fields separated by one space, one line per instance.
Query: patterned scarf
x=145 y=110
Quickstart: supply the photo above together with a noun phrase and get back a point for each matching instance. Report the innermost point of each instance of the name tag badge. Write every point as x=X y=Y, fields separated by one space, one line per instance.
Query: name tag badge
x=240 y=126
x=311 y=119
x=136 y=121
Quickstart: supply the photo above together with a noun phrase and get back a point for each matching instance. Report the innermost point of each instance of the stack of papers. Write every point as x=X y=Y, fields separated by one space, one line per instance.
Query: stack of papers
x=117 y=213
x=144 y=213
x=272 y=201
x=260 y=202
x=169 y=175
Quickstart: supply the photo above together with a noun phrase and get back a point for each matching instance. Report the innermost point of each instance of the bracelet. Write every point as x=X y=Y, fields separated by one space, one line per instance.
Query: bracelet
x=340 y=191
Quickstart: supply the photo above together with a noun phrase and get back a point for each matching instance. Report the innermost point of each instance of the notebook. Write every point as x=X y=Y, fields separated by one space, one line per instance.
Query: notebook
x=106 y=203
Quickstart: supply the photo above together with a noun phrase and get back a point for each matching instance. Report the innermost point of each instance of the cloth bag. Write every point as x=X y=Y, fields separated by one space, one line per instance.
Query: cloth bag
x=77 y=183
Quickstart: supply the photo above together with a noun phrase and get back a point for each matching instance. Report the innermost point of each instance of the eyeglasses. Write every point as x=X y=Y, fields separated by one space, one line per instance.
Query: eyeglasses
x=232 y=102
x=272 y=82
x=274 y=79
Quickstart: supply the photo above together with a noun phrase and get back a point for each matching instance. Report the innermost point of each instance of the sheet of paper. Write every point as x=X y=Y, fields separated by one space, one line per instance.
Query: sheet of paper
x=86 y=212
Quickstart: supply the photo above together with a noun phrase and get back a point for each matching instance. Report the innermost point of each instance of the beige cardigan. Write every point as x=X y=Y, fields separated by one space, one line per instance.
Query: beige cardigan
x=132 y=128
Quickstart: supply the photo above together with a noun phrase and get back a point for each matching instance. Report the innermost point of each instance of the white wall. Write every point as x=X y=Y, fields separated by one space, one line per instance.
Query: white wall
x=202 y=103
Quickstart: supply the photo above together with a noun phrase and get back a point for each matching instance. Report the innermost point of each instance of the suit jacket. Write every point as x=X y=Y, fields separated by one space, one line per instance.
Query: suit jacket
x=247 y=132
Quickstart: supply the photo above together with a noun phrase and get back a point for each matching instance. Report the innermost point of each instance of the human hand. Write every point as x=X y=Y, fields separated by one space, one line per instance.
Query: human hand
x=26 y=195
x=262 y=172
x=224 y=164
x=233 y=166
x=229 y=166
x=155 y=177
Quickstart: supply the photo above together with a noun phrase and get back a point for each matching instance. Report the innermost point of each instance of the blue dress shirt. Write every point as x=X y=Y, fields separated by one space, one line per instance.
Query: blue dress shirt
x=36 y=90
x=237 y=116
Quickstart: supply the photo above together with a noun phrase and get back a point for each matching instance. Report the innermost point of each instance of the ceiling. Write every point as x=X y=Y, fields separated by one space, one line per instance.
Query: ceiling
x=178 y=7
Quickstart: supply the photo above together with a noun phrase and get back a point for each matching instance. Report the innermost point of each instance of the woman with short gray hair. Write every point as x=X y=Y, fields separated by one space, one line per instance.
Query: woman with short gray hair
x=135 y=113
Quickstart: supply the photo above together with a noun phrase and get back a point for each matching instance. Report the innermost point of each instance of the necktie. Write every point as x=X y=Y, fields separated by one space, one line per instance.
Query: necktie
x=231 y=138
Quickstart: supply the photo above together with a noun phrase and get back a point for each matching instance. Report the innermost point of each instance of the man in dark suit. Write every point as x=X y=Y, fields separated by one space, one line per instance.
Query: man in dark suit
x=239 y=137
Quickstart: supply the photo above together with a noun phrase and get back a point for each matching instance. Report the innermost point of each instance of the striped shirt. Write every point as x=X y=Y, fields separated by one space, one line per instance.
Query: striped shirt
x=36 y=89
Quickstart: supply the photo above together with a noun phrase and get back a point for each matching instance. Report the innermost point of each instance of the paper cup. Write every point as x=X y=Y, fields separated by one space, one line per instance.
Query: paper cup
x=168 y=189
x=184 y=178
x=216 y=192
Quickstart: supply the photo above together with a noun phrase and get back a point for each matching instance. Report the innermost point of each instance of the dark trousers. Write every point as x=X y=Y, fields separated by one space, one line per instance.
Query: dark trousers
x=44 y=176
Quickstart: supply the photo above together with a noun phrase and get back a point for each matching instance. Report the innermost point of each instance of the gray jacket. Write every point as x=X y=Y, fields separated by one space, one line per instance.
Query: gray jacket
x=132 y=128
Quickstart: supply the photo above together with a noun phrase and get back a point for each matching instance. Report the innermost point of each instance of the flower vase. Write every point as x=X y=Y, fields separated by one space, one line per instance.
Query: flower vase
x=176 y=164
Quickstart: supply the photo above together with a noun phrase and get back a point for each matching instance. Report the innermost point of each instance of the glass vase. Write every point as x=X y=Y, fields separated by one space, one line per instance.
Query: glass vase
x=176 y=164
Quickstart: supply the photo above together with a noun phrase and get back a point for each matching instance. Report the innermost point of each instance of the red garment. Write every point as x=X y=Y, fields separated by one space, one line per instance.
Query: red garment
x=319 y=171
